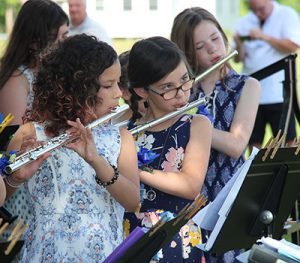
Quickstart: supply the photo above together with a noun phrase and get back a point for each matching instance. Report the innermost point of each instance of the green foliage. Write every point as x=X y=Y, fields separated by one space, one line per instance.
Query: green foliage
x=292 y=3
x=4 y=4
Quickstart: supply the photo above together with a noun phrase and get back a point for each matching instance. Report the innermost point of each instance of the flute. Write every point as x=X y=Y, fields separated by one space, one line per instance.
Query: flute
x=55 y=142
x=168 y=116
x=187 y=107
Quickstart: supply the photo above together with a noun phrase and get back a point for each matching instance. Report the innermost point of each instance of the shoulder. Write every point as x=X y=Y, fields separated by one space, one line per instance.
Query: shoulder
x=17 y=80
x=200 y=121
x=247 y=19
x=284 y=9
x=125 y=134
x=253 y=84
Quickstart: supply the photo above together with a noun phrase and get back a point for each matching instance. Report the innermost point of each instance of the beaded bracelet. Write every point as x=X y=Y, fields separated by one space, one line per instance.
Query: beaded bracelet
x=113 y=180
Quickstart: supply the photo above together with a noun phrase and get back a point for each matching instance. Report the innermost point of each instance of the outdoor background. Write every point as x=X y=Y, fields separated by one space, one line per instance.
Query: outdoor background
x=9 y=9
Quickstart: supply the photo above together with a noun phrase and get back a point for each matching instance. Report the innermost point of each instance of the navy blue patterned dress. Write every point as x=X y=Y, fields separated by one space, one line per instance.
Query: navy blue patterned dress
x=221 y=105
x=170 y=145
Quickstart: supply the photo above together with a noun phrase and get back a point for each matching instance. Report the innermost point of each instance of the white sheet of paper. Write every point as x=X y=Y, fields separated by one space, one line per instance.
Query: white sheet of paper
x=214 y=217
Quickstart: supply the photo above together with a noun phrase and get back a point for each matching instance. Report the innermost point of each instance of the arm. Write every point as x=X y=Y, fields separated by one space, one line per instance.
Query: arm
x=126 y=188
x=2 y=191
x=13 y=97
x=24 y=140
x=186 y=183
x=282 y=45
x=234 y=142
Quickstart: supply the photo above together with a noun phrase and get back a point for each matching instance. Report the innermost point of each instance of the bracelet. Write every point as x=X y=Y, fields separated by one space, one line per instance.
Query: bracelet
x=113 y=180
x=11 y=182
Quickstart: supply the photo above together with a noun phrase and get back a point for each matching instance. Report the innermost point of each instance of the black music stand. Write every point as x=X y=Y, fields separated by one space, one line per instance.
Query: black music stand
x=263 y=203
x=6 y=135
x=12 y=255
x=148 y=245
x=145 y=247
x=8 y=218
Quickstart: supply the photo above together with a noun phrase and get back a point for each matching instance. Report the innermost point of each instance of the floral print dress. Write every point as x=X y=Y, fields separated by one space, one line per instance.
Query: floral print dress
x=74 y=218
x=169 y=145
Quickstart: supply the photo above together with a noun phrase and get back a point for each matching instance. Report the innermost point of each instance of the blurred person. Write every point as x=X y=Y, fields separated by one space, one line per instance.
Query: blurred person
x=82 y=23
x=268 y=33
x=232 y=101
x=39 y=24
x=79 y=191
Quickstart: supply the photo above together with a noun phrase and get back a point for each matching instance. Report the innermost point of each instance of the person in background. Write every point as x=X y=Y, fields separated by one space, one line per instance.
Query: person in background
x=159 y=74
x=80 y=192
x=82 y=23
x=232 y=99
x=268 y=33
x=39 y=24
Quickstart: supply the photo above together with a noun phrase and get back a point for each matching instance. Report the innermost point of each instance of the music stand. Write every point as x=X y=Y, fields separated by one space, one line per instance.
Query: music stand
x=145 y=246
x=11 y=256
x=7 y=217
x=6 y=134
x=263 y=203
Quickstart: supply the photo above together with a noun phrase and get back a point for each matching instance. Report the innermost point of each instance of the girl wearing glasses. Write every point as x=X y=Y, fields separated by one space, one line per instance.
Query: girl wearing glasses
x=159 y=74
x=232 y=99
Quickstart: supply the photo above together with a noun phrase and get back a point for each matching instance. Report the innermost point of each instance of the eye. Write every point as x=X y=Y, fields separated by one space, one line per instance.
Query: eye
x=168 y=86
x=215 y=38
x=185 y=78
x=199 y=47
x=106 y=86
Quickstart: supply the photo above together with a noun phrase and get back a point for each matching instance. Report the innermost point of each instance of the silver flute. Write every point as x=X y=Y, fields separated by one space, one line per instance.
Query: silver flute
x=58 y=141
x=168 y=116
x=188 y=106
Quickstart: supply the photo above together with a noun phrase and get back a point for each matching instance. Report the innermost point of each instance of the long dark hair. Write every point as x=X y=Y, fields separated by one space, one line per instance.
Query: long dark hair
x=36 y=26
x=68 y=81
x=149 y=61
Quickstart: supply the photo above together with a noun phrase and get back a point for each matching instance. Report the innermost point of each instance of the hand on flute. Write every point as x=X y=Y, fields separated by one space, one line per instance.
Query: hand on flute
x=83 y=142
x=25 y=172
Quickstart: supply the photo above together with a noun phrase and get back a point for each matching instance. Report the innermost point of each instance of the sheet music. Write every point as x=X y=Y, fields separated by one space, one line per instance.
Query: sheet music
x=213 y=217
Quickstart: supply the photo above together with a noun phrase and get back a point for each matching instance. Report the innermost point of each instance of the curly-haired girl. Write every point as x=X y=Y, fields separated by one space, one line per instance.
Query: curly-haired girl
x=78 y=194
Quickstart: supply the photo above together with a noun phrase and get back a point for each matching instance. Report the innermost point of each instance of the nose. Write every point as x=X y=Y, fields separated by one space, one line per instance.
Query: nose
x=211 y=48
x=180 y=93
x=117 y=92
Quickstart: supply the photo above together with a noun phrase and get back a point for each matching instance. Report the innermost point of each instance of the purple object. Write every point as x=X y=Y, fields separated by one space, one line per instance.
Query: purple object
x=134 y=236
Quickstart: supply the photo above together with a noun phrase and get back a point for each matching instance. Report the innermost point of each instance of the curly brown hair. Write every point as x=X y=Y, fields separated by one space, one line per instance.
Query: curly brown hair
x=68 y=82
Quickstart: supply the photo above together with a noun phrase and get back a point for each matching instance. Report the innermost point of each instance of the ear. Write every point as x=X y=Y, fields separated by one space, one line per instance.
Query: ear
x=141 y=92
x=126 y=94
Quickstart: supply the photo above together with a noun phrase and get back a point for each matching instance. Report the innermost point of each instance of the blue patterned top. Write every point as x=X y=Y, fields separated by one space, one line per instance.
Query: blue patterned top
x=74 y=219
x=221 y=105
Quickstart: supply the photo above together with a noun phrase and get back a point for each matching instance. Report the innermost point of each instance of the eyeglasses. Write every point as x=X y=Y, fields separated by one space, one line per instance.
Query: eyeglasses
x=172 y=93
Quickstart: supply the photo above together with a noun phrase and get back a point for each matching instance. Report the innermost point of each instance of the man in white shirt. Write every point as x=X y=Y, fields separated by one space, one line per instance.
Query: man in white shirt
x=82 y=23
x=272 y=31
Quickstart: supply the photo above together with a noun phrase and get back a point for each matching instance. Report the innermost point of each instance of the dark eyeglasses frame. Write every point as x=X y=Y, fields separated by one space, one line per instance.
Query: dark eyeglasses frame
x=177 y=88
